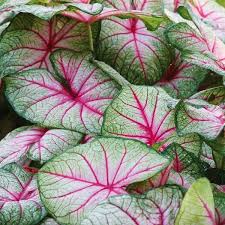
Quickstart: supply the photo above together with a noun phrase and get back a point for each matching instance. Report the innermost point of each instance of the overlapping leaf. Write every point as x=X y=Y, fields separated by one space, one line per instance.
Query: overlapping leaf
x=190 y=142
x=40 y=144
x=139 y=55
x=215 y=96
x=207 y=155
x=182 y=179
x=141 y=113
x=218 y=149
x=19 y=198
x=181 y=78
x=184 y=169
x=173 y=5
x=211 y=13
x=202 y=48
x=77 y=180
x=184 y=161
x=200 y=117
x=76 y=103
x=158 y=180
x=29 y=41
x=198 y=205
x=186 y=166
x=158 y=206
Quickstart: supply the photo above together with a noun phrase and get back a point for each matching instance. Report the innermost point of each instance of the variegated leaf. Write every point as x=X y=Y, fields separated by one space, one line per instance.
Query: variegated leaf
x=141 y=113
x=73 y=183
x=77 y=102
x=19 y=197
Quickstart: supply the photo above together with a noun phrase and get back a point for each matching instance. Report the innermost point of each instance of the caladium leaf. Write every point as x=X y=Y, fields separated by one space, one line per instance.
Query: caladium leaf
x=183 y=170
x=41 y=11
x=211 y=13
x=207 y=50
x=207 y=155
x=16 y=144
x=220 y=207
x=52 y=143
x=128 y=42
x=141 y=113
x=9 y=3
x=158 y=206
x=92 y=9
x=5 y=16
x=200 y=117
x=41 y=144
x=184 y=161
x=218 y=150
x=186 y=166
x=214 y=96
x=158 y=180
x=19 y=198
x=198 y=205
x=74 y=182
x=173 y=5
x=29 y=41
x=181 y=78
x=220 y=188
x=77 y=103
x=182 y=179
x=111 y=72
x=190 y=142
x=153 y=7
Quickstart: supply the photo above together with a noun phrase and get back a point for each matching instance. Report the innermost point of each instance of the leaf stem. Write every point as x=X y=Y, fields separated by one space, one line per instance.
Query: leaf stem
x=91 y=44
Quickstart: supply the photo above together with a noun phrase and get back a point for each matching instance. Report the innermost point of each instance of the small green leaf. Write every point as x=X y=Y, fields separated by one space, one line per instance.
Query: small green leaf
x=198 y=205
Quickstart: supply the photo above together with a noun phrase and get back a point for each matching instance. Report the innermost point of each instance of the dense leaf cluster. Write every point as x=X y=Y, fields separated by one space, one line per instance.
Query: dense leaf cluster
x=122 y=107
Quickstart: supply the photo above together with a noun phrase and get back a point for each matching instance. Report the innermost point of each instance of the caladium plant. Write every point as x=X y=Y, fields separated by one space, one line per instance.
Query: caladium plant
x=122 y=112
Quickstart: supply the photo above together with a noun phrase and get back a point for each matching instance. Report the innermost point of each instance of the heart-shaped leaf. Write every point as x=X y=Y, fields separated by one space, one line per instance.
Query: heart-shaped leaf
x=214 y=96
x=128 y=42
x=77 y=180
x=207 y=50
x=199 y=117
x=77 y=103
x=41 y=144
x=180 y=79
x=198 y=205
x=211 y=13
x=158 y=206
x=29 y=41
x=19 y=198
x=141 y=113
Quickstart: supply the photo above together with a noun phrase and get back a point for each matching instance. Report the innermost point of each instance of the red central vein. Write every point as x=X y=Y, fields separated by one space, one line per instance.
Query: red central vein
x=142 y=110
